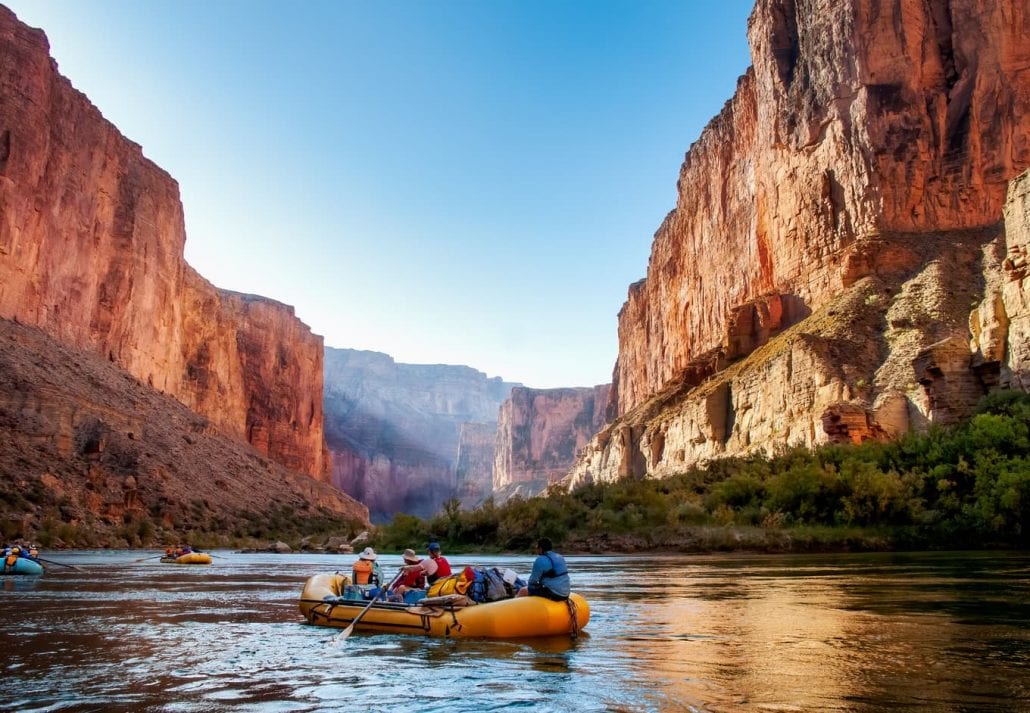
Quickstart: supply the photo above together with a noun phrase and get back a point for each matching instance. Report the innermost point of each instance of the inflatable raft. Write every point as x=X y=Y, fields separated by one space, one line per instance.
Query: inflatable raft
x=191 y=558
x=23 y=565
x=516 y=618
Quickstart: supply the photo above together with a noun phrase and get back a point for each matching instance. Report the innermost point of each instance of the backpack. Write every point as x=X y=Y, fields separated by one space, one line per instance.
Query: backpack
x=495 y=589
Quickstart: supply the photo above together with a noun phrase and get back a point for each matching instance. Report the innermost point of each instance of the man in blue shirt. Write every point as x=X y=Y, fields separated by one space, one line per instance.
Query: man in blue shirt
x=550 y=576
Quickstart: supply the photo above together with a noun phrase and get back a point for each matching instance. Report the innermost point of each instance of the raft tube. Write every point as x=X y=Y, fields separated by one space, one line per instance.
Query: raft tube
x=191 y=558
x=23 y=565
x=517 y=618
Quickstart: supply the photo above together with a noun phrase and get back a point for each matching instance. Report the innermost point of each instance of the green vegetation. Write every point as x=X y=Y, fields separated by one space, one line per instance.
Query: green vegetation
x=967 y=486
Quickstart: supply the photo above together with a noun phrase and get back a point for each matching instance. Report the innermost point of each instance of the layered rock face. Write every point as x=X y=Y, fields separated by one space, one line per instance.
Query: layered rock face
x=91 y=251
x=539 y=433
x=474 y=470
x=859 y=173
x=1000 y=326
x=393 y=429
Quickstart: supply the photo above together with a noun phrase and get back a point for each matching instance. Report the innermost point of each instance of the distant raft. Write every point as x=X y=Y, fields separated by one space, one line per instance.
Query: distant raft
x=22 y=565
x=322 y=604
x=190 y=558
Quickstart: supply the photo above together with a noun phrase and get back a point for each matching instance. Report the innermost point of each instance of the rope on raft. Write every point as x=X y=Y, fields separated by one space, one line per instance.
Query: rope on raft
x=573 y=616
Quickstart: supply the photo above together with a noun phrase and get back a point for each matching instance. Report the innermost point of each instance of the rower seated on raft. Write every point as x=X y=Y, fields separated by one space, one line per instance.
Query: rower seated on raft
x=366 y=576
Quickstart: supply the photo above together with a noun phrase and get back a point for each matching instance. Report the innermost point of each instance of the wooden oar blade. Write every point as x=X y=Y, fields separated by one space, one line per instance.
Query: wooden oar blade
x=342 y=636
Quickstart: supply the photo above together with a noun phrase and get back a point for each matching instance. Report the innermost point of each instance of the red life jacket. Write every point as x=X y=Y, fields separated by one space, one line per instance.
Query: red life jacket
x=413 y=579
x=443 y=567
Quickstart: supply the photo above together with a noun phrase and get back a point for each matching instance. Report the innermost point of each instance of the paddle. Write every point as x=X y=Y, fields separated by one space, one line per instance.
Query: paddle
x=60 y=564
x=144 y=559
x=347 y=632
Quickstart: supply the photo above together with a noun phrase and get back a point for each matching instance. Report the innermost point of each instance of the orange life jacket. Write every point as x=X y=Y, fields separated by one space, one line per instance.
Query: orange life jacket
x=362 y=572
x=11 y=560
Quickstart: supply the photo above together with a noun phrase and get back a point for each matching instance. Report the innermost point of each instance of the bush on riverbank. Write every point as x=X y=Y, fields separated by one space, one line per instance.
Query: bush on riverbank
x=967 y=486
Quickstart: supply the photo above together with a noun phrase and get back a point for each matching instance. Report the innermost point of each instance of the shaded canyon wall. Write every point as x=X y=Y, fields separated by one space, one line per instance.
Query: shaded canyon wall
x=539 y=434
x=393 y=429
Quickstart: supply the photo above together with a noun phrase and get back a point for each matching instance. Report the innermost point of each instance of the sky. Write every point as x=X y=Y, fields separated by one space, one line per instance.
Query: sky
x=468 y=182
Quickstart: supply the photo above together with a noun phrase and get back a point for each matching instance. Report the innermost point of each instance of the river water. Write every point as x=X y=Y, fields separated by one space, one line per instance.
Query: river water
x=918 y=632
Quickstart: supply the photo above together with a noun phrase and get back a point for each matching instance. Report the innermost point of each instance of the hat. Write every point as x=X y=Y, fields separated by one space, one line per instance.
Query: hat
x=510 y=576
x=434 y=546
x=410 y=556
x=368 y=554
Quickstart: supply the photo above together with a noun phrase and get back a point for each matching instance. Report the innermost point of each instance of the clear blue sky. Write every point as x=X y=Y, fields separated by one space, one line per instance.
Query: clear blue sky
x=473 y=182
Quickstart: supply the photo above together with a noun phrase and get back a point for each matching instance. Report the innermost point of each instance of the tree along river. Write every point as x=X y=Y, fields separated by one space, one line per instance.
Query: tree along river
x=926 y=632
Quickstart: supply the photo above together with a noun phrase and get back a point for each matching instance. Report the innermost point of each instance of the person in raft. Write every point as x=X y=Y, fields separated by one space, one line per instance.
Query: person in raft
x=413 y=577
x=366 y=572
x=442 y=568
x=550 y=576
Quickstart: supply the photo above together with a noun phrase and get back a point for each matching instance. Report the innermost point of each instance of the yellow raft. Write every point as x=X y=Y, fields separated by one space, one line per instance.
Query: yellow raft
x=516 y=618
x=191 y=558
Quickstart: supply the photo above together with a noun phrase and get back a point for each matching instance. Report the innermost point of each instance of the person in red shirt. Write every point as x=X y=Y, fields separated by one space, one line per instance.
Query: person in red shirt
x=414 y=576
x=443 y=567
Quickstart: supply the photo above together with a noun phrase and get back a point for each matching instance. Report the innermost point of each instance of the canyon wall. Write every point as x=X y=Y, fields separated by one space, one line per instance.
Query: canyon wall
x=834 y=225
x=393 y=429
x=539 y=433
x=474 y=470
x=92 y=457
x=91 y=251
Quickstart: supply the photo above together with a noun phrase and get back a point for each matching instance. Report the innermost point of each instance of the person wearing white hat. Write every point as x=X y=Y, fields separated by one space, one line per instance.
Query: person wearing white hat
x=367 y=572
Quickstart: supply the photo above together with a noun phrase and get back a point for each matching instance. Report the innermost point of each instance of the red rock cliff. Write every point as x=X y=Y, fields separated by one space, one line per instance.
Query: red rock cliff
x=858 y=117
x=91 y=251
x=834 y=224
x=539 y=433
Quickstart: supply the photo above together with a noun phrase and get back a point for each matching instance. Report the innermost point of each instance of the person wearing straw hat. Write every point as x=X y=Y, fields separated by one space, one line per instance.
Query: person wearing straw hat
x=414 y=576
x=366 y=571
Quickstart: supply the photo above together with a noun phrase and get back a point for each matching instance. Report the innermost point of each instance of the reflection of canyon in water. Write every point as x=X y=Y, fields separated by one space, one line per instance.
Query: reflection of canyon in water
x=712 y=633
x=930 y=632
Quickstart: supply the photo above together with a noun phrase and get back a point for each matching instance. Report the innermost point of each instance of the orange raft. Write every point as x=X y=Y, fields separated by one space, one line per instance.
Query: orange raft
x=190 y=558
x=321 y=604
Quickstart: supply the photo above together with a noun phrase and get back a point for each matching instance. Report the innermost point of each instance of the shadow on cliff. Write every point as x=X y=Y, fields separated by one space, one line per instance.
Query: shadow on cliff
x=93 y=457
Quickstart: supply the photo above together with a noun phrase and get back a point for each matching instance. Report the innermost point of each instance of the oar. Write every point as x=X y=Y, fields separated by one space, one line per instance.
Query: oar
x=347 y=632
x=144 y=559
x=60 y=564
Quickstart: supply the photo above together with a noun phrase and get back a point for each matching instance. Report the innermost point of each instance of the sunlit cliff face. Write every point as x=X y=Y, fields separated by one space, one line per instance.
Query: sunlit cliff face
x=836 y=224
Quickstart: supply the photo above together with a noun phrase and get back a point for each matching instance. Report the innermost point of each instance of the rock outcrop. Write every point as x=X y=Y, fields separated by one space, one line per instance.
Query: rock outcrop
x=393 y=429
x=834 y=224
x=91 y=252
x=539 y=433
x=93 y=457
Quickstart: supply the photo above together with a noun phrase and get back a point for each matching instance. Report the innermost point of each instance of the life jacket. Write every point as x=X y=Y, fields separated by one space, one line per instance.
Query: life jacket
x=453 y=584
x=363 y=572
x=11 y=560
x=552 y=572
x=169 y=552
x=413 y=579
x=443 y=569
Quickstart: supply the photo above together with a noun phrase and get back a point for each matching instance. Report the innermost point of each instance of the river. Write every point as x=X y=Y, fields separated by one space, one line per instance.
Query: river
x=872 y=632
